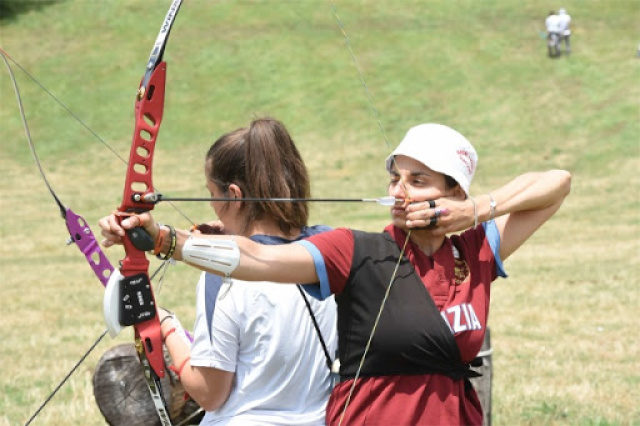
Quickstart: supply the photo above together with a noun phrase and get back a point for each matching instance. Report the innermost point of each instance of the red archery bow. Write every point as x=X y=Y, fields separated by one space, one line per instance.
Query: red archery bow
x=137 y=304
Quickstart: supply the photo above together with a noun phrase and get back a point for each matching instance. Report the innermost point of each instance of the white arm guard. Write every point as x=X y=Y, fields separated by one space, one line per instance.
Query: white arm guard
x=218 y=255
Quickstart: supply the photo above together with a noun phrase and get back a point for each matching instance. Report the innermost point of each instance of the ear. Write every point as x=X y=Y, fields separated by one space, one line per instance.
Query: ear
x=457 y=193
x=234 y=191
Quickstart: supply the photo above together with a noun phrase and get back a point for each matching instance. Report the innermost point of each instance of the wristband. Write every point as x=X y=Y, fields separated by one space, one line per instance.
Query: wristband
x=162 y=235
x=172 y=244
x=167 y=317
x=169 y=314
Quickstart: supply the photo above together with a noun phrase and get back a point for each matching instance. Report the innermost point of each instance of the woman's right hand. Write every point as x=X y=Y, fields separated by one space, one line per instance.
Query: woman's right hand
x=113 y=231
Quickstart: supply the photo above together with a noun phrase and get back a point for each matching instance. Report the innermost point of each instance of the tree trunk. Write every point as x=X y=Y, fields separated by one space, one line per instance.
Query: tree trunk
x=122 y=394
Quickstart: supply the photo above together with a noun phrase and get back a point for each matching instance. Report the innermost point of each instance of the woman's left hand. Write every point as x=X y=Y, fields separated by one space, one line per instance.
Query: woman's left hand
x=113 y=231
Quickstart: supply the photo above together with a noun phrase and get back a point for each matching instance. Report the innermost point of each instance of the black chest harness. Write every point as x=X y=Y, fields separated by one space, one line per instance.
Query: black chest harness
x=411 y=338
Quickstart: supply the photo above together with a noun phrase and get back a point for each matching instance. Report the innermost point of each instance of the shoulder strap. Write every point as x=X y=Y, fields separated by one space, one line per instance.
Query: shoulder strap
x=316 y=326
x=212 y=285
x=271 y=240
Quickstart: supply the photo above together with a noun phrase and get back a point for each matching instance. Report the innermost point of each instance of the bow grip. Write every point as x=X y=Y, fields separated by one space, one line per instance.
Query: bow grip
x=141 y=239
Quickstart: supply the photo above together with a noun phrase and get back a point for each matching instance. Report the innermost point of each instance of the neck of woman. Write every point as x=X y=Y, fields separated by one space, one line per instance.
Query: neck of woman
x=269 y=227
x=426 y=241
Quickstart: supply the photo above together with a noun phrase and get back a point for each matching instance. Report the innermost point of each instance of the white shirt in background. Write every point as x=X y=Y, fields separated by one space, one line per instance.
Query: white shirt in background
x=564 y=19
x=552 y=23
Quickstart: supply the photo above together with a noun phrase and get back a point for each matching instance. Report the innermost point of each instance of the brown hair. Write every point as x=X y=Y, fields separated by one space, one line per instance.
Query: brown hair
x=264 y=162
x=450 y=182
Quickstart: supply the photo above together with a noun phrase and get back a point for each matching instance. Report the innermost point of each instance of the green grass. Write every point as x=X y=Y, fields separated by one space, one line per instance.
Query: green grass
x=565 y=343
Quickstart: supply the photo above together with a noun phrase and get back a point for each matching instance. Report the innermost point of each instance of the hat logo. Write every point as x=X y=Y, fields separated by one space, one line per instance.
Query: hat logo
x=467 y=160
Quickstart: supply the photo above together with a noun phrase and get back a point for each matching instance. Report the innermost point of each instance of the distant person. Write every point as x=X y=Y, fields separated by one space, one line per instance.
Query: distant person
x=564 y=20
x=552 y=24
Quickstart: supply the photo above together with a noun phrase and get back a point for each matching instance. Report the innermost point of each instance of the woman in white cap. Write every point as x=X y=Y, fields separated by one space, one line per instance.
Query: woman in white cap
x=401 y=364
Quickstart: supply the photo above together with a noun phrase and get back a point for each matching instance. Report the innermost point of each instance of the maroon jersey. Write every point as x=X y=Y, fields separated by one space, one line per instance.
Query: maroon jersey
x=414 y=373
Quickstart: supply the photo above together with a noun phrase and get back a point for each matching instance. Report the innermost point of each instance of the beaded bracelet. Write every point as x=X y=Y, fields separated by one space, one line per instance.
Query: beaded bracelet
x=172 y=244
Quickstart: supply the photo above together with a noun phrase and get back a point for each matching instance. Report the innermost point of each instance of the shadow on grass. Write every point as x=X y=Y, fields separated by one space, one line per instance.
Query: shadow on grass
x=10 y=9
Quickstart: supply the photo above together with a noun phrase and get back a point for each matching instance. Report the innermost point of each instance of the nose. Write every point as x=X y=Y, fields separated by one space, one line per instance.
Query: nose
x=397 y=190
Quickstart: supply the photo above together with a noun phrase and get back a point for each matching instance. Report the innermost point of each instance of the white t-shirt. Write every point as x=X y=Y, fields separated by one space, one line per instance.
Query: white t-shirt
x=264 y=333
x=552 y=23
x=564 y=19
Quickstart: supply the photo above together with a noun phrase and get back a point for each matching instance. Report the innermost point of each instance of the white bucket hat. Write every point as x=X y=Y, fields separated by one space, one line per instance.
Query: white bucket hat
x=442 y=149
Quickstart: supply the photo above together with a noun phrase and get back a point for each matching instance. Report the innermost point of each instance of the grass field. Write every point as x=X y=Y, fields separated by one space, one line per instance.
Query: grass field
x=566 y=344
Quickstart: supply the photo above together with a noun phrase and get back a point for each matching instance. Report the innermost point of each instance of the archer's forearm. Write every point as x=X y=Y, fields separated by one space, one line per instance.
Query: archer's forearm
x=286 y=263
x=528 y=192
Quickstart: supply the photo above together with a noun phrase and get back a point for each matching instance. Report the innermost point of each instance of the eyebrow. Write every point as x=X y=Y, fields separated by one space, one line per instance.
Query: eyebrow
x=412 y=174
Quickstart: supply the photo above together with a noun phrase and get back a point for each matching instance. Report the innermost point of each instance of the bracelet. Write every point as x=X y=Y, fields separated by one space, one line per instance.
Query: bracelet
x=162 y=234
x=178 y=370
x=172 y=244
x=492 y=207
x=164 y=339
x=171 y=315
x=475 y=212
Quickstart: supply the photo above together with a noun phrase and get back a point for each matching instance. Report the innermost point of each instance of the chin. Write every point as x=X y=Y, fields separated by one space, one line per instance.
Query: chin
x=399 y=222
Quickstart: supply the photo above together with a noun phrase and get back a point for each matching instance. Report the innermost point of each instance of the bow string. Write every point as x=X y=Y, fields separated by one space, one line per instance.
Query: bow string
x=79 y=231
x=376 y=115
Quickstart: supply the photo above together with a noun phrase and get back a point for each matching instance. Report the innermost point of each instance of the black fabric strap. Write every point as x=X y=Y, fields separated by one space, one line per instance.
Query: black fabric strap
x=316 y=326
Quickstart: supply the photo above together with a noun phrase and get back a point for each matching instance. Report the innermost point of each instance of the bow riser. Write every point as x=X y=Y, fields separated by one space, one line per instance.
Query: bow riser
x=148 y=113
x=136 y=285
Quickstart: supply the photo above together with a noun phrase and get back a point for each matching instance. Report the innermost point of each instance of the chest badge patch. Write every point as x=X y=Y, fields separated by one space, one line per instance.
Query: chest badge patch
x=460 y=271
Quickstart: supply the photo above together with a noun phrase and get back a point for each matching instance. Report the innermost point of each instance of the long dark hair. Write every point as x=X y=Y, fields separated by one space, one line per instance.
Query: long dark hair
x=264 y=162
